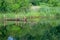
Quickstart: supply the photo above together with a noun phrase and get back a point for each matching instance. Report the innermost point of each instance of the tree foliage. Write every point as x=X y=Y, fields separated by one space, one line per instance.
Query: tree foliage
x=13 y=5
x=41 y=29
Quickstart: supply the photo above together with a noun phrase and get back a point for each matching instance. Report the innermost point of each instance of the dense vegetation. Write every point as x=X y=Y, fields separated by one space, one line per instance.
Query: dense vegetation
x=47 y=27
x=18 y=5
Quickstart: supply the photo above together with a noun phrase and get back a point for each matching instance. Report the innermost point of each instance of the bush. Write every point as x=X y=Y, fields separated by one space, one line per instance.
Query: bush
x=13 y=5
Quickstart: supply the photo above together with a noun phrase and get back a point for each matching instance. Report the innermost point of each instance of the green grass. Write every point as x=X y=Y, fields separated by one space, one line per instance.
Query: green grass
x=46 y=15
